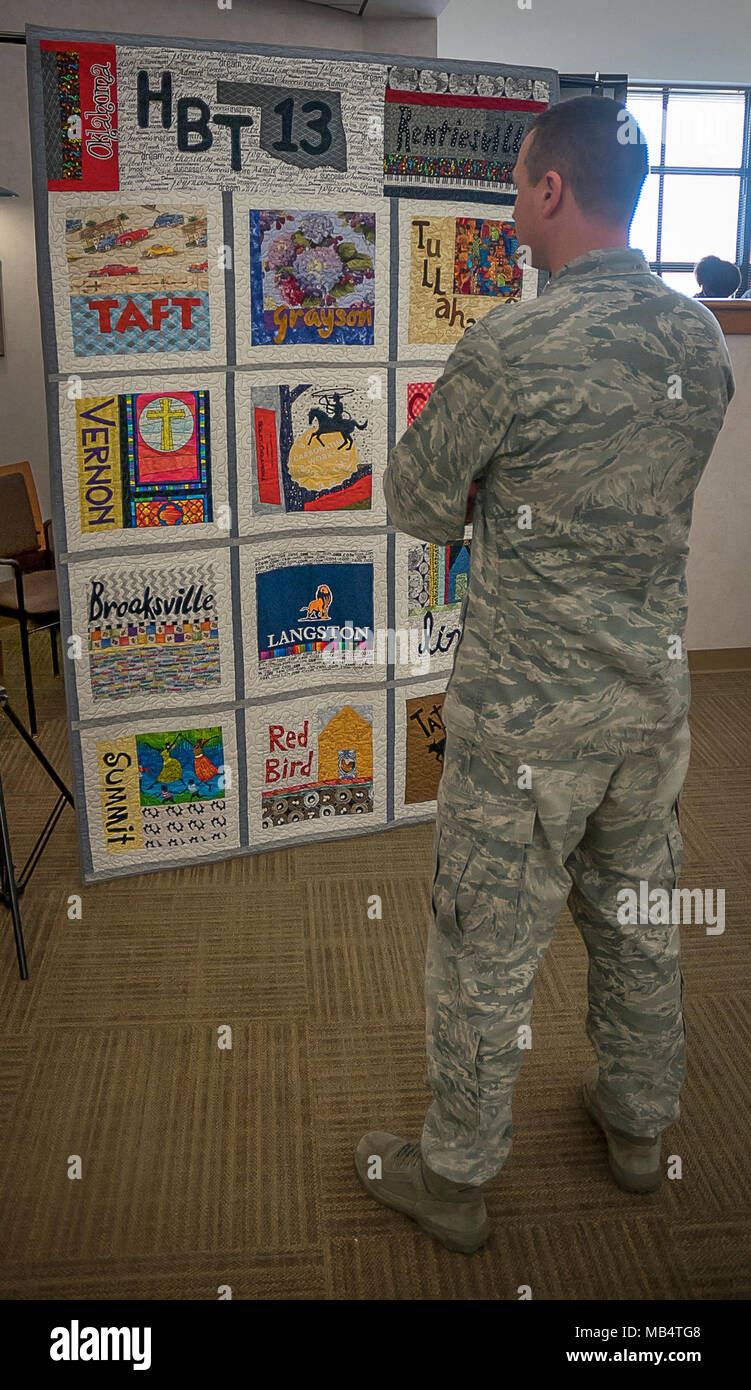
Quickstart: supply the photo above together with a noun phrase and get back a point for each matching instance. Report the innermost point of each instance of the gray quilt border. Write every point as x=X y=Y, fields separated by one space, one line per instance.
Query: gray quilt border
x=37 y=32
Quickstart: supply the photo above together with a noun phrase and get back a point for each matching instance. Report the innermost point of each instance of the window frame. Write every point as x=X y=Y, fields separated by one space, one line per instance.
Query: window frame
x=741 y=172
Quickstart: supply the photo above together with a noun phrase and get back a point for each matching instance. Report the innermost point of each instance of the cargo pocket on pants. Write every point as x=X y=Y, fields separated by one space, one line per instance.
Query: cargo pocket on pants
x=492 y=920
x=490 y=888
x=452 y=853
x=489 y=894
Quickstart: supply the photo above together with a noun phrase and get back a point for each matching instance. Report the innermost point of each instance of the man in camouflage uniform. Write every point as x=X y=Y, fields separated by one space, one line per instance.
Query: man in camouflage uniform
x=586 y=418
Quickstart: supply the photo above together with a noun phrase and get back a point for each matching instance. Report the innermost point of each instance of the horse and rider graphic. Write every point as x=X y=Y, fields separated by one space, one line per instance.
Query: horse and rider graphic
x=332 y=420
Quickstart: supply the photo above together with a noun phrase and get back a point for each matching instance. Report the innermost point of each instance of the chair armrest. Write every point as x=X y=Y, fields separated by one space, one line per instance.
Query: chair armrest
x=49 y=540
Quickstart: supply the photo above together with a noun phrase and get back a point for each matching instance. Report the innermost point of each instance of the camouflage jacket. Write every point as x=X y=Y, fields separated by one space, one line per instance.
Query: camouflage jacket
x=587 y=416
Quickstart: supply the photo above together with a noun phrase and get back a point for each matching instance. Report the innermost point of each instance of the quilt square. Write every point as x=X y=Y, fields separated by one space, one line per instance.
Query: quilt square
x=285 y=120
x=159 y=793
x=144 y=464
x=316 y=766
x=419 y=746
x=312 y=280
x=432 y=583
x=457 y=261
x=311 y=446
x=152 y=632
x=308 y=261
x=456 y=129
x=79 y=95
x=135 y=279
x=312 y=614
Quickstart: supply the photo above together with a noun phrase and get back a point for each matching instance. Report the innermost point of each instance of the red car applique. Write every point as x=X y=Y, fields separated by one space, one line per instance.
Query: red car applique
x=127 y=238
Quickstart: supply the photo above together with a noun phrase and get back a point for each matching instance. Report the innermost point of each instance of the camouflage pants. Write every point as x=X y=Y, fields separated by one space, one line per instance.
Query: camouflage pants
x=507 y=858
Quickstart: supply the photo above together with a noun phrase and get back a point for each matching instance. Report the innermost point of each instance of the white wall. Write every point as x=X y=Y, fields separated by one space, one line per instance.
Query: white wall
x=719 y=566
x=23 y=428
x=667 y=41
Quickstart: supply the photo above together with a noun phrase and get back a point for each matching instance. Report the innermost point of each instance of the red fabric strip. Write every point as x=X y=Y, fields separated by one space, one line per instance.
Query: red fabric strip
x=97 y=71
x=266 y=455
x=484 y=103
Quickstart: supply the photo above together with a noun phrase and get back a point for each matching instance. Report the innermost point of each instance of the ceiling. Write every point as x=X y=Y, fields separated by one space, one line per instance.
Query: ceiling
x=383 y=9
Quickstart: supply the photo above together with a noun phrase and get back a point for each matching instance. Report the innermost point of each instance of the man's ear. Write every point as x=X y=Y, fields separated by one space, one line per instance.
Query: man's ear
x=553 y=191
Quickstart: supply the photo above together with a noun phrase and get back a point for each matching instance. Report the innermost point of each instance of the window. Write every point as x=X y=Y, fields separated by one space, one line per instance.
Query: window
x=696 y=199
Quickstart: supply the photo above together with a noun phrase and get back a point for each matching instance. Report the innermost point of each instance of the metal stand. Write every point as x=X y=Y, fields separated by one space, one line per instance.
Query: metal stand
x=12 y=886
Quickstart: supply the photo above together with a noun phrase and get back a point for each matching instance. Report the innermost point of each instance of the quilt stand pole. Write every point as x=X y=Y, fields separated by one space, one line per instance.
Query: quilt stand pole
x=11 y=887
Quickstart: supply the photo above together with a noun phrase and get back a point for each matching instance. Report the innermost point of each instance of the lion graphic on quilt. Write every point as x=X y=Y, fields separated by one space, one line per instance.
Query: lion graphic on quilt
x=319 y=606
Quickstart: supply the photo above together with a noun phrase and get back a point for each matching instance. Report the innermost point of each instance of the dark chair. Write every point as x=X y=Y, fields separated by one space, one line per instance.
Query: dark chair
x=30 y=597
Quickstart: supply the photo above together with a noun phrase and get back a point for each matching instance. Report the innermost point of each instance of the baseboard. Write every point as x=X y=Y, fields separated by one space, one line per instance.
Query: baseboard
x=720 y=659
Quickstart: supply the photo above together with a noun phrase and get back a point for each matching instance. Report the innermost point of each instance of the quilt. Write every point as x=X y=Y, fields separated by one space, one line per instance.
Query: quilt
x=253 y=262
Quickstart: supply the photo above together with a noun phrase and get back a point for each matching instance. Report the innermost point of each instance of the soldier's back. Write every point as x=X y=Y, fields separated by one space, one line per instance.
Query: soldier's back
x=573 y=631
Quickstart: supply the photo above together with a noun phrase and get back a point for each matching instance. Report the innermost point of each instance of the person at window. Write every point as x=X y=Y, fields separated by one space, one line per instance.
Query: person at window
x=718 y=279
x=585 y=416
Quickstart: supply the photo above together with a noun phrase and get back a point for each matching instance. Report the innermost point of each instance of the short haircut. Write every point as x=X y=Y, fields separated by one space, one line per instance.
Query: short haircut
x=718 y=279
x=580 y=140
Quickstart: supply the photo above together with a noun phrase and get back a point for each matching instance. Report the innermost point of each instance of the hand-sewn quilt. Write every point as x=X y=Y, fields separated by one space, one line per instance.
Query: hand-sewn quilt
x=253 y=262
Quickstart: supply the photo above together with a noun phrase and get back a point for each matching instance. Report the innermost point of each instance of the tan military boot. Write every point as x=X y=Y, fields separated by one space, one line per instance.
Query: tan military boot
x=452 y=1212
x=634 y=1163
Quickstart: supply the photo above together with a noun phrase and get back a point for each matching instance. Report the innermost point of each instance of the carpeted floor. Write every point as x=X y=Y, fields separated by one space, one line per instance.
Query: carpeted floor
x=204 y=1167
